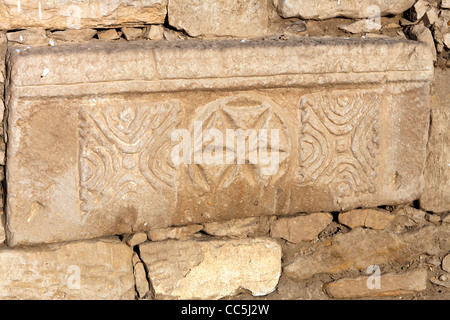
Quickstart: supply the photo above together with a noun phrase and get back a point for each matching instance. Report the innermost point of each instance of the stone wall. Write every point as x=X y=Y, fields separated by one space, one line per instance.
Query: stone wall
x=116 y=183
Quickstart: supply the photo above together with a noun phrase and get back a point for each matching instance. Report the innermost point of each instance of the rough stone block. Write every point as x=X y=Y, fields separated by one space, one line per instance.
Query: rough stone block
x=389 y=285
x=308 y=9
x=436 y=195
x=105 y=138
x=212 y=269
x=76 y=14
x=240 y=18
x=77 y=270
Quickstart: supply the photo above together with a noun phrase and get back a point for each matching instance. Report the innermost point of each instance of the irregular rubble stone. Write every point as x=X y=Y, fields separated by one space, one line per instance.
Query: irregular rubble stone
x=360 y=248
x=431 y=17
x=100 y=178
x=28 y=37
x=136 y=238
x=369 y=218
x=3 y=47
x=131 y=33
x=319 y=10
x=154 y=32
x=390 y=285
x=361 y=26
x=109 y=34
x=418 y=10
x=421 y=33
x=447 y=40
x=239 y=18
x=73 y=35
x=238 y=227
x=78 y=270
x=445 y=4
x=300 y=228
x=76 y=14
x=446 y=263
x=140 y=278
x=436 y=195
x=173 y=233
x=441 y=28
x=212 y=269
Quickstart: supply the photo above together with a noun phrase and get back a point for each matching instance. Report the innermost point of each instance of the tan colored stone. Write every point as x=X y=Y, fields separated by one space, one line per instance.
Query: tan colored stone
x=73 y=35
x=369 y=218
x=319 y=10
x=300 y=228
x=75 y=170
x=131 y=33
x=109 y=34
x=154 y=32
x=361 y=26
x=212 y=269
x=3 y=47
x=445 y=4
x=238 y=227
x=436 y=195
x=421 y=33
x=136 y=238
x=446 y=263
x=173 y=233
x=28 y=37
x=140 y=278
x=360 y=248
x=390 y=285
x=238 y=18
x=418 y=10
x=78 y=270
x=76 y=14
x=447 y=40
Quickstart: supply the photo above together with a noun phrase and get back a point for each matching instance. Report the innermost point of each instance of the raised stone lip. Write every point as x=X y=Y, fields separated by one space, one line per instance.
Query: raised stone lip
x=165 y=66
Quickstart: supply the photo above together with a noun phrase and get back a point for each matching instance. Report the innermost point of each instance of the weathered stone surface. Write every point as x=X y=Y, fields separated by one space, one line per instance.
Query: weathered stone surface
x=390 y=285
x=140 y=278
x=131 y=33
x=154 y=32
x=136 y=238
x=78 y=270
x=173 y=233
x=421 y=33
x=369 y=218
x=91 y=149
x=212 y=269
x=308 y=9
x=300 y=228
x=239 y=18
x=436 y=195
x=360 y=248
x=238 y=227
x=445 y=4
x=73 y=35
x=360 y=26
x=446 y=263
x=76 y=14
x=28 y=37
x=109 y=34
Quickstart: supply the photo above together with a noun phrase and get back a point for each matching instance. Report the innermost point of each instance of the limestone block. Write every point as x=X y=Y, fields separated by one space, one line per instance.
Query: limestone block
x=436 y=196
x=301 y=228
x=212 y=269
x=76 y=14
x=114 y=138
x=240 y=18
x=389 y=285
x=369 y=218
x=78 y=270
x=309 y=9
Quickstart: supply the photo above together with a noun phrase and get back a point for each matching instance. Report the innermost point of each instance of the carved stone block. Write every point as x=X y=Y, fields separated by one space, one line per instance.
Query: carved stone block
x=120 y=138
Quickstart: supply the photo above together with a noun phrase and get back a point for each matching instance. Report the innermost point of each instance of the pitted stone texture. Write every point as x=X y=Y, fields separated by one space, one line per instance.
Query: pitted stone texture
x=390 y=285
x=76 y=14
x=239 y=227
x=301 y=228
x=436 y=196
x=212 y=269
x=360 y=248
x=239 y=18
x=369 y=218
x=309 y=9
x=78 y=270
x=91 y=151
